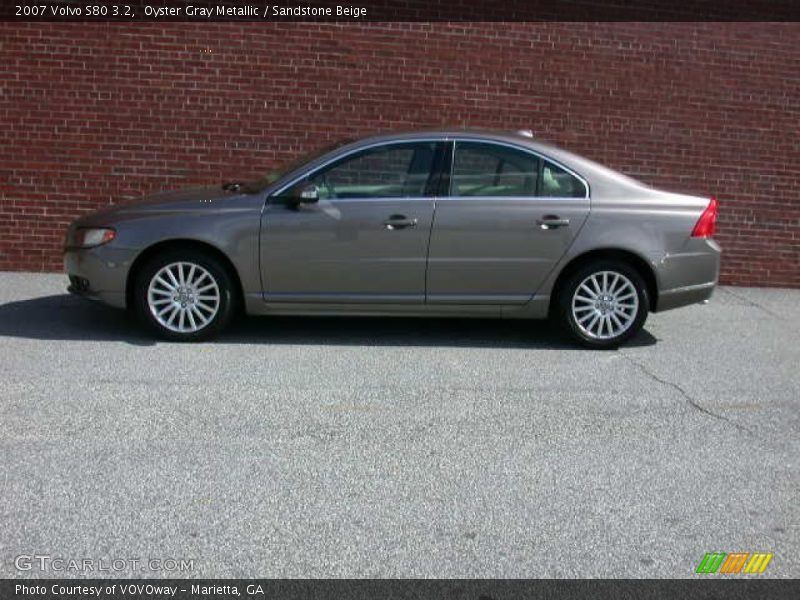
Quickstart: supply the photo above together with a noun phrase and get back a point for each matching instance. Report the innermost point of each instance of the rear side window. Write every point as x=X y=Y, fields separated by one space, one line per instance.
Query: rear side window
x=492 y=170
x=558 y=183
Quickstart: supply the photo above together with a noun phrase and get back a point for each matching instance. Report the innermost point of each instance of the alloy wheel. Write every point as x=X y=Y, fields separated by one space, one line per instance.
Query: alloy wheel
x=605 y=305
x=183 y=297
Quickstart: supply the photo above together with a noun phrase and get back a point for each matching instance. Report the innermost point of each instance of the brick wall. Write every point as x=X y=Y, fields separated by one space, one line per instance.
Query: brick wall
x=93 y=113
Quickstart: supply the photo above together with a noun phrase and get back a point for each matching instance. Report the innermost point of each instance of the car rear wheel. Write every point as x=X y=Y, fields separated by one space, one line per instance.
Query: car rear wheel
x=184 y=296
x=603 y=304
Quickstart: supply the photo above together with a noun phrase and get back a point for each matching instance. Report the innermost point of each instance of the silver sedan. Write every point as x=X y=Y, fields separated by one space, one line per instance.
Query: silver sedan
x=444 y=223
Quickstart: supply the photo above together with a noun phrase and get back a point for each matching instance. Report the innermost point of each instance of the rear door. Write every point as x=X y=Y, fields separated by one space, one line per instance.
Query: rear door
x=365 y=240
x=509 y=217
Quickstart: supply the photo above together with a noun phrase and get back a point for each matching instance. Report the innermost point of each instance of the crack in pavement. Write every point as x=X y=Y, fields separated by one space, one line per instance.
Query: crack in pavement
x=752 y=303
x=689 y=399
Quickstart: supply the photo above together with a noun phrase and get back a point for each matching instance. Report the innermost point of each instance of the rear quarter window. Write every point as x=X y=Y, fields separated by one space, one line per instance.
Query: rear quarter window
x=558 y=183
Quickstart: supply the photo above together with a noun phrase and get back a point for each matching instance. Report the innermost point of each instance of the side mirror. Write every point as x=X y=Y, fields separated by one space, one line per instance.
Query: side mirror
x=307 y=194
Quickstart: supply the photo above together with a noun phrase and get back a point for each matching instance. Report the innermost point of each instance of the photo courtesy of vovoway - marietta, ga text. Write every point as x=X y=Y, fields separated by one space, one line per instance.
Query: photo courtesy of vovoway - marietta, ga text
x=133 y=589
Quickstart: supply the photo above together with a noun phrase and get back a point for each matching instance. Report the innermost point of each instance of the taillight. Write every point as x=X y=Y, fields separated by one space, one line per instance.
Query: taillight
x=707 y=223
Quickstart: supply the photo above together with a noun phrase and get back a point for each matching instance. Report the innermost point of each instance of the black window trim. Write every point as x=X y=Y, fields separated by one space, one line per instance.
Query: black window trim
x=444 y=169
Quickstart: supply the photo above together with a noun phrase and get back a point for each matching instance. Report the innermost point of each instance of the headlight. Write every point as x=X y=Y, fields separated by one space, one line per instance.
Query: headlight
x=88 y=237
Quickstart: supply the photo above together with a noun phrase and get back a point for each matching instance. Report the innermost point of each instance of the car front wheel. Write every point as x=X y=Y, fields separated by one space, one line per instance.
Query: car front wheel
x=184 y=296
x=603 y=304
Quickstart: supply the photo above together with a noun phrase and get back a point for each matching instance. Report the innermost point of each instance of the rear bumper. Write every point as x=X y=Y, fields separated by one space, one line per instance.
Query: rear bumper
x=690 y=276
x=684 y=296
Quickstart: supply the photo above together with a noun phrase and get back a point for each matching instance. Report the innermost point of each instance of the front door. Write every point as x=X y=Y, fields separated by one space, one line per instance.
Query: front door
x=509 y=217
x=366 y=238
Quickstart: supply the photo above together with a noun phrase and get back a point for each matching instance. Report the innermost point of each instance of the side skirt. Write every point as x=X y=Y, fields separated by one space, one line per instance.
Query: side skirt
x=535 y=309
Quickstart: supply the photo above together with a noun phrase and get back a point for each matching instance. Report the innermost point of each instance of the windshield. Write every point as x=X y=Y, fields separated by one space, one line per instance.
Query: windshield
x=252 y=187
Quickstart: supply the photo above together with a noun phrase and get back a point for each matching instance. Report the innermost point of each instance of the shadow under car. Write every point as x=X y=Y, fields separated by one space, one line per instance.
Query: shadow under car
x=66 y=317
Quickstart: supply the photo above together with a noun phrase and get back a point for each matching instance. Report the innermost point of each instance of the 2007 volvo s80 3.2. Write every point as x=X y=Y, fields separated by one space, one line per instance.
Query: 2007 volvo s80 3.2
x=448 y=223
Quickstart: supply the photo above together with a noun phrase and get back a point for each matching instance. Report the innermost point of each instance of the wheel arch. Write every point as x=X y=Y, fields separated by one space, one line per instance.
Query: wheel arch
x=626 y=256
x=181 y=244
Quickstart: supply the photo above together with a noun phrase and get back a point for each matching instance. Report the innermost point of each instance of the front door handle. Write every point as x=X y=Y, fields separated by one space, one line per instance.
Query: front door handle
x=399 y=222
x=552 y=222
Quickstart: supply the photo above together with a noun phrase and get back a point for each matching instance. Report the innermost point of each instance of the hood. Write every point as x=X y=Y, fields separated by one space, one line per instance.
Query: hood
x=185 y=199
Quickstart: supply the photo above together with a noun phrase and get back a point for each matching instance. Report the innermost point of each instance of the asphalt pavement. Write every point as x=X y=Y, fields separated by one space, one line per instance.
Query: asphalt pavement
x=311 y=447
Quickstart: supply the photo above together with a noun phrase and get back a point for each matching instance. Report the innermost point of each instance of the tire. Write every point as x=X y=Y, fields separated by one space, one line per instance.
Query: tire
x=197 y=308
x=603 y=317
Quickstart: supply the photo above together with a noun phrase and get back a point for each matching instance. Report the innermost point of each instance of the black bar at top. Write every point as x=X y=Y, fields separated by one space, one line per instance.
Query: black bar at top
x=404 y=10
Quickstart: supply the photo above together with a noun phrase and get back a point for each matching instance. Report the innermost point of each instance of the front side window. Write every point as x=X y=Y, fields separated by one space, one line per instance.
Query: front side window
x=492 y=170
x=390 y=171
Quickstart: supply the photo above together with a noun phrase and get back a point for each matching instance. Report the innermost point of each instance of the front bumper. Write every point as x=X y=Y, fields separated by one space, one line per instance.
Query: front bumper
x=98 y=273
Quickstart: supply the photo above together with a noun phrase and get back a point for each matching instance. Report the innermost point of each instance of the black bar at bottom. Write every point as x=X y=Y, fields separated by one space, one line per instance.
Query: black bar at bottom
x=712 y=588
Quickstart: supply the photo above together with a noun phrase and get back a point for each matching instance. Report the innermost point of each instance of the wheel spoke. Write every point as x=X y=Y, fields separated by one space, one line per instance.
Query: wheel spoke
x=614 y=283
x=596 y=285
x=190 y=276
x=165 y=283
x=190 y=316
x=200 y=316
x=175 y=311
x=171 y=276
x=607 y=324
x=205 y=306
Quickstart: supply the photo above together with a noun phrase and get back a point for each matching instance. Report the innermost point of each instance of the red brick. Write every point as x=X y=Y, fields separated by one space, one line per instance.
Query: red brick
x=102 y=111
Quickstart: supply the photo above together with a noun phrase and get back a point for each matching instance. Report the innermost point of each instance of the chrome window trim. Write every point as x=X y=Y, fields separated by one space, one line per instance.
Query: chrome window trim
x=539 y=155
x=453 y=140
x=310 y=172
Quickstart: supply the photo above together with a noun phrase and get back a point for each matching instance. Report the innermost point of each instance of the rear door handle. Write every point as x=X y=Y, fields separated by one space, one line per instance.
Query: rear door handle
x=399 y=222
x=552 y=222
